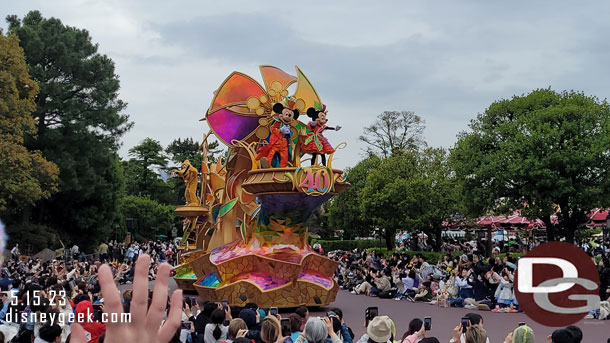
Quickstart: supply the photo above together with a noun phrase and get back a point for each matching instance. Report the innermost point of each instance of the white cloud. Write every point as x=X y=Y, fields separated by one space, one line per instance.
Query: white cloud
x=445 y=60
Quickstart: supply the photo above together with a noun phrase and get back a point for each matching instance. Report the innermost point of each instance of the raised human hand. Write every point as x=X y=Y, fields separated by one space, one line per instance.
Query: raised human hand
x=241 y=333
x=145 y=325
x=457 y=333
x=329 y=324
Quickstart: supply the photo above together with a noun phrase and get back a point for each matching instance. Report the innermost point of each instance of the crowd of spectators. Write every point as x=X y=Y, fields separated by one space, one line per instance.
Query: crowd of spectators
x=34 y=290
x=44 y=290
x=465 y=279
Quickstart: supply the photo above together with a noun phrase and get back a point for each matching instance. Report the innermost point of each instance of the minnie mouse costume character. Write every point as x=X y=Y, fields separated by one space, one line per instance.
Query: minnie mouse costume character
x=315 y=143
x=279 y=139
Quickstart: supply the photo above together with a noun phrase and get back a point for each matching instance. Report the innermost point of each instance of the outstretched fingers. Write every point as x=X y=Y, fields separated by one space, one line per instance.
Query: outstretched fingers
x=174 y=318
x=77 y=334
x=139 y=300
x=112 y=300
x=159 y=300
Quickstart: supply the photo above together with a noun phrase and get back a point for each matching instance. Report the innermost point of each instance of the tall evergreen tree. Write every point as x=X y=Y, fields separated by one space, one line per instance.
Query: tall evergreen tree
x=80 y=120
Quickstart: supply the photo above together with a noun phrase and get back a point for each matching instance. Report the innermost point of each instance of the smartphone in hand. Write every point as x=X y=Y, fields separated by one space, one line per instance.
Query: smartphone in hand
x=427 y=323
x=370 y=313
x=285 y=324
x=465 y=324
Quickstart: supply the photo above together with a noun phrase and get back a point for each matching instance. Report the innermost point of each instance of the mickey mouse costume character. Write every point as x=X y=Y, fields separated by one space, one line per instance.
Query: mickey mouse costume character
x=279 y=140
x=315 y=143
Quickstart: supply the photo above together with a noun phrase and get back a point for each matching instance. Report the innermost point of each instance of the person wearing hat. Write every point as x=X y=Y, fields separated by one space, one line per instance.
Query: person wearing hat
x=522 y=334
x=379 y=329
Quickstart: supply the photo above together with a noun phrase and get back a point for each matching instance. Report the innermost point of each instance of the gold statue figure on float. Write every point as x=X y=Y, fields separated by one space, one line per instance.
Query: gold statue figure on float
x=189 y=174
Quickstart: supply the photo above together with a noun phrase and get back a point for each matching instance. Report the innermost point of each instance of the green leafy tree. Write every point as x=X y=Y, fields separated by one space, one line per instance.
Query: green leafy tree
x=535 y=151
x=318 y=223
x=150 y=160
x=26 y=175
x=79 y=120
x=394 y=131
x=392 y=196
x=344 y=210
x=152 y=217
x=442 y=200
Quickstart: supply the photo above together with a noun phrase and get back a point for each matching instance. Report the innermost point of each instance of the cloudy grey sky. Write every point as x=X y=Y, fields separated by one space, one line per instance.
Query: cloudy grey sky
x=445 y=60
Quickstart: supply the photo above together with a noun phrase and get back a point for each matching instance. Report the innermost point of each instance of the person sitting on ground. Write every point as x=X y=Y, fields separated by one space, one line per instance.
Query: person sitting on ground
x=464 y=284
x=424 y=294
x=409 y=284
x=366 y=285
x=381 y=284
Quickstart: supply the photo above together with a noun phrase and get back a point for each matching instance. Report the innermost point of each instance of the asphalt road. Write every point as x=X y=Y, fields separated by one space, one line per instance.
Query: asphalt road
x=444 y=320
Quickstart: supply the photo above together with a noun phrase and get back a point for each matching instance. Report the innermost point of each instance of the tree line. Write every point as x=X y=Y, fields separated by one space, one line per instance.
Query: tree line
x=545 y=153
x=63 y=182
x=61 y=123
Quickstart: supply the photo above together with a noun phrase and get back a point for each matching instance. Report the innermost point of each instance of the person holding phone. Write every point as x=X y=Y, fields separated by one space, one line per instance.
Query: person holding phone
x=416 y=331
x=295 y=326
x=317 y=330
x=469 y=320
x=237 y=329
x=379 y=330
x=303 y=312
x=271 y=331
x=521 y=334
x=251 y=318
x=338 y=328
x=216 y=331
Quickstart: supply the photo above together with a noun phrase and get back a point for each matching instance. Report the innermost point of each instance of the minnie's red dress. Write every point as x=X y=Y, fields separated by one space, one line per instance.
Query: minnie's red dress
x=315 y=142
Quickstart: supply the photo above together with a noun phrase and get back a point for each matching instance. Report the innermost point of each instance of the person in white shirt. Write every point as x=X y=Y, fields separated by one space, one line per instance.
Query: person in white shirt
x=15 y=252
x=74 y=251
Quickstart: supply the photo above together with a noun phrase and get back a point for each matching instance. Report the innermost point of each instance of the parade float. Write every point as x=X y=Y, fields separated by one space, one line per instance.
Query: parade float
x=246 y=237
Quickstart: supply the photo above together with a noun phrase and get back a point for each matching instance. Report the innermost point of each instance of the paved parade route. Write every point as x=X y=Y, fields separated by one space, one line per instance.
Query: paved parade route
x=444 y=319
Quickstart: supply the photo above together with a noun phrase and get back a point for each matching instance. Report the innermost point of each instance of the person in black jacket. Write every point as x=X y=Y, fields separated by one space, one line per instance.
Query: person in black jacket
x=252 y=318
x=203 y=318
x=604 y=278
